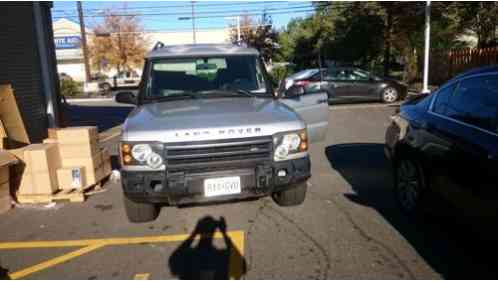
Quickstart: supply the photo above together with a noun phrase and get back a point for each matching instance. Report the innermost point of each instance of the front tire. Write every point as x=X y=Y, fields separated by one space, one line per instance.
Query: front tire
x=390 y=95
x=291 y=197
x=409 y=186
x=140 y=212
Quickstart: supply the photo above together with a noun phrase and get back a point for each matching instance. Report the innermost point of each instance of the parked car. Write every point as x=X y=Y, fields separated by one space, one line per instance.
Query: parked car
x=208 y=128
x=445 y=145
x=349 y=84
x=124 y=79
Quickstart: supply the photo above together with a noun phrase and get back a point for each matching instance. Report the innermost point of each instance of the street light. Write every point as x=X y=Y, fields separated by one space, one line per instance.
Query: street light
x=427 y=46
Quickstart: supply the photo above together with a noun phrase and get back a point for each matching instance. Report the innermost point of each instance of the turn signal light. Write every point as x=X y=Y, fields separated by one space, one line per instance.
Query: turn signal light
x=303 y=146
x=127 y=159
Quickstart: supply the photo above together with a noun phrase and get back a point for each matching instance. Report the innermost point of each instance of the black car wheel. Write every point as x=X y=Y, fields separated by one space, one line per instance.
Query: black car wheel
x=140 y=212
x=291 y=197
x=409 y=185
x=390 y=95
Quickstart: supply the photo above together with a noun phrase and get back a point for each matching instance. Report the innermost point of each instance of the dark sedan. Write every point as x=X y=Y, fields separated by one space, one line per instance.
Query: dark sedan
x=445 y=146
x=349 y=84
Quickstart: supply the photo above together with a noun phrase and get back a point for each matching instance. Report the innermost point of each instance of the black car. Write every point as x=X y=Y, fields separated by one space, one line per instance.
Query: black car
x=349 y=84
x=445 y=146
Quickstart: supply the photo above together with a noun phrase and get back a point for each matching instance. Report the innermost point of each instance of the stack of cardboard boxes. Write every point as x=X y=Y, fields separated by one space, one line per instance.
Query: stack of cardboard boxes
x=83 y=163
x=69 y=159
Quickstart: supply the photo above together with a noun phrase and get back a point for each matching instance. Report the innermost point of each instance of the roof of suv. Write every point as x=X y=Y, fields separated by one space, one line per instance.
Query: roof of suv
x=200 y=50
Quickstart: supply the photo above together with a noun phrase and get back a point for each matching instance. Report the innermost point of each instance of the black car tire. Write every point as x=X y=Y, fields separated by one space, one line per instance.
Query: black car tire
x=389 y=95
x=291 y=197
x=409 y=186
x=140 y=212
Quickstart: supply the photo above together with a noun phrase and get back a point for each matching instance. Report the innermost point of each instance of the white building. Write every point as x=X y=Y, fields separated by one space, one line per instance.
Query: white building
x=67 y=37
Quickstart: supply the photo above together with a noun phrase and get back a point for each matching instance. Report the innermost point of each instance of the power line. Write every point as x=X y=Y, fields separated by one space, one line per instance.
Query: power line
x=188 y=13
x=188 y=6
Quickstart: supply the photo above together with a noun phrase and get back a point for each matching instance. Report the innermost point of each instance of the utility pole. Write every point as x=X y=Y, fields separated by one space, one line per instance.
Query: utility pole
x=83 y=42
x=238 y=29
x=193 y=22
x=427 y=46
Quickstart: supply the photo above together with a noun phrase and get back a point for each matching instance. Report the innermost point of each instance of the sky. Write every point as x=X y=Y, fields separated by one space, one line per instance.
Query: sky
x=164 y=15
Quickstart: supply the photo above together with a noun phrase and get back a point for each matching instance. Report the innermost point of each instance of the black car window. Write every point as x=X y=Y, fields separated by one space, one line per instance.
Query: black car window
x=360 y=75
x=442 y=99
x=475 y=102
x=338 y=74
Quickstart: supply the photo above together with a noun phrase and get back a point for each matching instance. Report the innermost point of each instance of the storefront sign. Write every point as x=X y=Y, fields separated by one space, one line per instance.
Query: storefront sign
x=67 y=42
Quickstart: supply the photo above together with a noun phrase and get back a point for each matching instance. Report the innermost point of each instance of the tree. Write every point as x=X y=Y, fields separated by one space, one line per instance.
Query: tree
x=259 y=35
x=118 y=42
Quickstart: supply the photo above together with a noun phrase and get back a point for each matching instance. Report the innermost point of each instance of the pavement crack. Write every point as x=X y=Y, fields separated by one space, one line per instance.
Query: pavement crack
x=322 y=252
x=366 y=236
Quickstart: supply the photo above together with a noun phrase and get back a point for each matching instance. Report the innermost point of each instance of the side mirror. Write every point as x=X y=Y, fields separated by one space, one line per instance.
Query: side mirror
x=294 y=91
x=126 y=97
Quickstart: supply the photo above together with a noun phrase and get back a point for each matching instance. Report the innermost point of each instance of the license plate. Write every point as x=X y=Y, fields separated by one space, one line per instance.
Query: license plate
x=221 y=186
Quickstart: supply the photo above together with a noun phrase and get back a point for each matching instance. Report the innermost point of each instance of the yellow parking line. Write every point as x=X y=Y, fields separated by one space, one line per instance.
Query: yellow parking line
x=106 y=241
x=236 y=264
x=52 y=262
x=141 y=276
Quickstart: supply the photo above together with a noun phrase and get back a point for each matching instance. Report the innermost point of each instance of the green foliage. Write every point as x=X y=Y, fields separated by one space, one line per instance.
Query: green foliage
x=70 y=88
x=367 y=34
x=277 y=74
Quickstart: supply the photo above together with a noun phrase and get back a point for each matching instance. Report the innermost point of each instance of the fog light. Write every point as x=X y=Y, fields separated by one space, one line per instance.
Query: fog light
x=282 y=173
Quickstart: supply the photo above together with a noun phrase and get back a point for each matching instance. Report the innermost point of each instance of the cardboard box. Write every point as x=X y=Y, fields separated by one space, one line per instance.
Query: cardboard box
x=4 y=174
x=11 y=116
x=42 y=157
x=3 y=133
x=71 y=177
x=82 y=150
x=39 y=174
x=52 y=133
x=91 y=165
x=38 y=182
x=77 y=135
x=49 y=140
x=5 y=198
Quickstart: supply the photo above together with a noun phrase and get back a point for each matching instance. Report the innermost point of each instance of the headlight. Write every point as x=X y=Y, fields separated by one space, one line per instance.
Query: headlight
x=141 y=154
x=141 y=151
x=154 y=160
x=290 y=145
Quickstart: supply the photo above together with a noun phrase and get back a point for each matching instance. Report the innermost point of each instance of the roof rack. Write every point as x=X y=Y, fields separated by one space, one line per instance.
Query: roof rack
x=158 y=45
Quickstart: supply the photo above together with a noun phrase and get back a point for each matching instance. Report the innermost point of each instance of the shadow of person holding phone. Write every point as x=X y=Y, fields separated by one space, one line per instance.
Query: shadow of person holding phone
x=204 y=260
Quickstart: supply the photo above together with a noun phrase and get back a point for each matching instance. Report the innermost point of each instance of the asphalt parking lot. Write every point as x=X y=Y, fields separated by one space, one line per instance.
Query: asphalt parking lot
x=349 y=226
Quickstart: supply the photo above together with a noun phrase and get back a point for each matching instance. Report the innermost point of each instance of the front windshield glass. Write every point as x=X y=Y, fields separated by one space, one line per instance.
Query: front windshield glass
x=201 y=76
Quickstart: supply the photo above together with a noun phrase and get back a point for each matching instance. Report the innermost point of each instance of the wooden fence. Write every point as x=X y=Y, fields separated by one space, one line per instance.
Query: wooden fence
x=465 y=59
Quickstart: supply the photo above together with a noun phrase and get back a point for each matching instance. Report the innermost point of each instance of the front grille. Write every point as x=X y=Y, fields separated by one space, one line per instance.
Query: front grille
x=215 y=153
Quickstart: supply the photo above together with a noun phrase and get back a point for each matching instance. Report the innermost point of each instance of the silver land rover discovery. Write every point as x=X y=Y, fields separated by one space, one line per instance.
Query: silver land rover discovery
x=209 y=127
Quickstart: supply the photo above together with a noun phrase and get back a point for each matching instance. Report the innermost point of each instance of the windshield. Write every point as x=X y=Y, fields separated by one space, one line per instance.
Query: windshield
x=202 y=76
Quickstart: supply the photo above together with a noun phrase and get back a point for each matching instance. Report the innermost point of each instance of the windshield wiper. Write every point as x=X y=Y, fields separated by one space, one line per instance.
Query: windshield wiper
x=190 y=95
x=231 y=93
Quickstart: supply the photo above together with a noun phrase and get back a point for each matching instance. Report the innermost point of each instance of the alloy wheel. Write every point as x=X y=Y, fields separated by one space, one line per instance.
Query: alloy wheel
x=390 y=95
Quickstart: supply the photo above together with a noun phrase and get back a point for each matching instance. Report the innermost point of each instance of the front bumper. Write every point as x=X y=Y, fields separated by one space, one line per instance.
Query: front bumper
x=188 y=187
